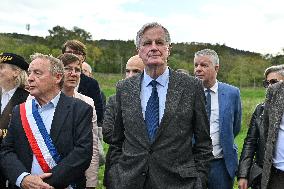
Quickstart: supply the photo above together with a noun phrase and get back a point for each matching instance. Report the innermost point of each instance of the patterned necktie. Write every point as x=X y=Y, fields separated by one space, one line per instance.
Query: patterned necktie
x=208 y=102
x=152 y=112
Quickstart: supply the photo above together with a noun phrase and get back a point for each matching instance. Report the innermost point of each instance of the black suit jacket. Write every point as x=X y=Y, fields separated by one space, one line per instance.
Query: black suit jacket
x=71 y=133
x=19 y=97
x=171 y=161
x=90 y=87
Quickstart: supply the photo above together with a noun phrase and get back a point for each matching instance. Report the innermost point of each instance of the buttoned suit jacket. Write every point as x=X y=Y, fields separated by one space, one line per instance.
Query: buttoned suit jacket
x=273 y=112
x=71 y=133
x=230 y=116
x=171 y=161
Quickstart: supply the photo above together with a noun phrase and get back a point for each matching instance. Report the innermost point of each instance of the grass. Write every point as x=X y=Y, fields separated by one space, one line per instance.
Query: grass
x=250 y=98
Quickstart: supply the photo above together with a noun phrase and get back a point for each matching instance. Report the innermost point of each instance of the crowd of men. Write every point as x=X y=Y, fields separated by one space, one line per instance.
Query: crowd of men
x=165 y=129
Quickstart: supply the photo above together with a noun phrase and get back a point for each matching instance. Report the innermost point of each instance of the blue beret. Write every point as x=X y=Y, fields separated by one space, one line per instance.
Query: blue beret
x=10 y=58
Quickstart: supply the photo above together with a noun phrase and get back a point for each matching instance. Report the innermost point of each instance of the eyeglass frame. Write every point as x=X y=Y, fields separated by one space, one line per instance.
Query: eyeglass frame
x=69 y=70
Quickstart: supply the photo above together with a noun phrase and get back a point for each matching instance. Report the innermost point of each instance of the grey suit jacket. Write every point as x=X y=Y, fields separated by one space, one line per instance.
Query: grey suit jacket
x=273 y=112
x=171 y=161
x=71 y=133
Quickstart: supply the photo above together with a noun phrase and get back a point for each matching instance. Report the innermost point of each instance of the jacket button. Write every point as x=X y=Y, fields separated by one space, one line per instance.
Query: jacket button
x=143 y=174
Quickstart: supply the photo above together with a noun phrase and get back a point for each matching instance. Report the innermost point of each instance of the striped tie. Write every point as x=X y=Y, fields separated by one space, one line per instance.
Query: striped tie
x=152 y=112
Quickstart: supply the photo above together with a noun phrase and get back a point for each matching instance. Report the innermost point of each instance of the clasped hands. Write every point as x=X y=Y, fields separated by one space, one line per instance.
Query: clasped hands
x=36 y=182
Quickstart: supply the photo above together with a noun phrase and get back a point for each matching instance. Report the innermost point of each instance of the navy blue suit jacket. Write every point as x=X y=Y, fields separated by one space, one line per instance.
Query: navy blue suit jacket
x=90 y=87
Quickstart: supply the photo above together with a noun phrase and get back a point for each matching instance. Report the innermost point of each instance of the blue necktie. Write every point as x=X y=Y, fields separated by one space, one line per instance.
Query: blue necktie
x=152 y=112
x=208 y=102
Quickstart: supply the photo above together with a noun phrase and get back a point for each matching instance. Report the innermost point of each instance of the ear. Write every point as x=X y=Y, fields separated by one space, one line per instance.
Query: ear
x=216 y=68
x=58 y=77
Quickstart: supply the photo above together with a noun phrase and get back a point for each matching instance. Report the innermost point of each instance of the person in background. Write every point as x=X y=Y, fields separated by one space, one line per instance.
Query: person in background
x=251 y=160
x=72 y=71
x=87 y=86
x=158 y=112
x=273 y=124
x=87 y=69
x=49 y=140
x=134 y=66
x=13 y=77
x=223 y=106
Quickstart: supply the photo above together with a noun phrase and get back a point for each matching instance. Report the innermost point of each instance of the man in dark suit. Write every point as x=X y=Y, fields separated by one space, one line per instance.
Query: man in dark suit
x=158 y=112
x=87 y=86
x=273 y=166
x=49 y=140
x=133 y=66
x=224 y=112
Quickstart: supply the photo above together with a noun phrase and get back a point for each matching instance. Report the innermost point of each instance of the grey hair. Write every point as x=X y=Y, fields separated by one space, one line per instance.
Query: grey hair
x=279 y=69
x=208 y=52
x=56 y=67
x=148 y=26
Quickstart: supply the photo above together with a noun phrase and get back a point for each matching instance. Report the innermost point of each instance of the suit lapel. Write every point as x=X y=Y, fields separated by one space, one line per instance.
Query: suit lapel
x=134 y=103
x=222 y=101
x=174 y=92
x=60 y=114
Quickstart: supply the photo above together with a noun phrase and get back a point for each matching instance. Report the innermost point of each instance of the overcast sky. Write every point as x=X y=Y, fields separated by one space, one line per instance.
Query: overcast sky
x=253 y=25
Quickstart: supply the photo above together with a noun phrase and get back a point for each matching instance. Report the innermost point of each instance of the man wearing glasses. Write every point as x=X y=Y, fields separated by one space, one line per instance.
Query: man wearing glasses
x=87 y=86
x=249 y=172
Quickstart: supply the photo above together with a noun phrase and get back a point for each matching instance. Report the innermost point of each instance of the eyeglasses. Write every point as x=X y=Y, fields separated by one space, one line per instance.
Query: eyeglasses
x=266 y=83
x=70 y=70
x=75 y=52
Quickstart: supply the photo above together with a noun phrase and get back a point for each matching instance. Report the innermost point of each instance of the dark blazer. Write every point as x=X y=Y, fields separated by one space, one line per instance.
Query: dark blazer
x=90 y=87
x=273 y=112
x=19 y=97
x=71 y=133
x=108 y=124
x=253 y=148
x=230 y=116
x=171 y=161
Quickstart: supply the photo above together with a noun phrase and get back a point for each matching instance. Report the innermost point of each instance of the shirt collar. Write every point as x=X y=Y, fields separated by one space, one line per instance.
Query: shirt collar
x=162 y=79
x=53 y=101
x=214 y=88
x=11 y=92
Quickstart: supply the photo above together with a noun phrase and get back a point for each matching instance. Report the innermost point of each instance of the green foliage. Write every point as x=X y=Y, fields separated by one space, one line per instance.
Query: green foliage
x=237 y=67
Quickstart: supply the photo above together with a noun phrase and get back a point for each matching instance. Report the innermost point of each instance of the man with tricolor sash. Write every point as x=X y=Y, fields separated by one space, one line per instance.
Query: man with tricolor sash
x=49 y=140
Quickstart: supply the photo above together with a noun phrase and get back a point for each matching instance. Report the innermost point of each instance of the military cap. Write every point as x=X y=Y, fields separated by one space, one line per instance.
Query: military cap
x=10 y=58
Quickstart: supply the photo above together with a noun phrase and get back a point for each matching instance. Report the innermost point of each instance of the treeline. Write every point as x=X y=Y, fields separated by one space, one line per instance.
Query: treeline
x=238 y=67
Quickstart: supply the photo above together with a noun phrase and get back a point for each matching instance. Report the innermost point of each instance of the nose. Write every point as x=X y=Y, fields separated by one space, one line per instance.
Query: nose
x=154 y=46
x=30 y=77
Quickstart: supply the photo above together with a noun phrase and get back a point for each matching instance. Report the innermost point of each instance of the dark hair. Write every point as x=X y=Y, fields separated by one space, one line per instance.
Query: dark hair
x=74 y=45
x=68 y=58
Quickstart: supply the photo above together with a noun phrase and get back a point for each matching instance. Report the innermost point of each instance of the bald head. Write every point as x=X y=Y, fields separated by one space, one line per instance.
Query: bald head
x=87 y=69
x=134 y=65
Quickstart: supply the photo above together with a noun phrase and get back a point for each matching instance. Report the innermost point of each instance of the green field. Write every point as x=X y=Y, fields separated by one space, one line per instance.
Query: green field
x=250 y=98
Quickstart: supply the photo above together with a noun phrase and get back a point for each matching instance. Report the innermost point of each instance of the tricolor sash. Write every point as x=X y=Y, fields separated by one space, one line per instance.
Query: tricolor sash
x=38 y=137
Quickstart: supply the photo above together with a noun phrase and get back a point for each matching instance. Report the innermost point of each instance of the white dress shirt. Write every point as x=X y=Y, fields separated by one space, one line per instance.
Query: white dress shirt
x=6 y=97
x=162 y=88
x=214 y=122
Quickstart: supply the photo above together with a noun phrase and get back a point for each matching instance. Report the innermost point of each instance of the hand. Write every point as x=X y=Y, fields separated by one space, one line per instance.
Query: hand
x=1 y=133
x=243 y=183
x=36 y=182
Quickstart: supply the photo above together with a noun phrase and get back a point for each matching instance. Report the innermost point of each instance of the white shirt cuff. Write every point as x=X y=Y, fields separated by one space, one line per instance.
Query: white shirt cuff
x=20 y=179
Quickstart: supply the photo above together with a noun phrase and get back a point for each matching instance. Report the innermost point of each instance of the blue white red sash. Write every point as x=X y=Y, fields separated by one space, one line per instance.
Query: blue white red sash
x=38 y=137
